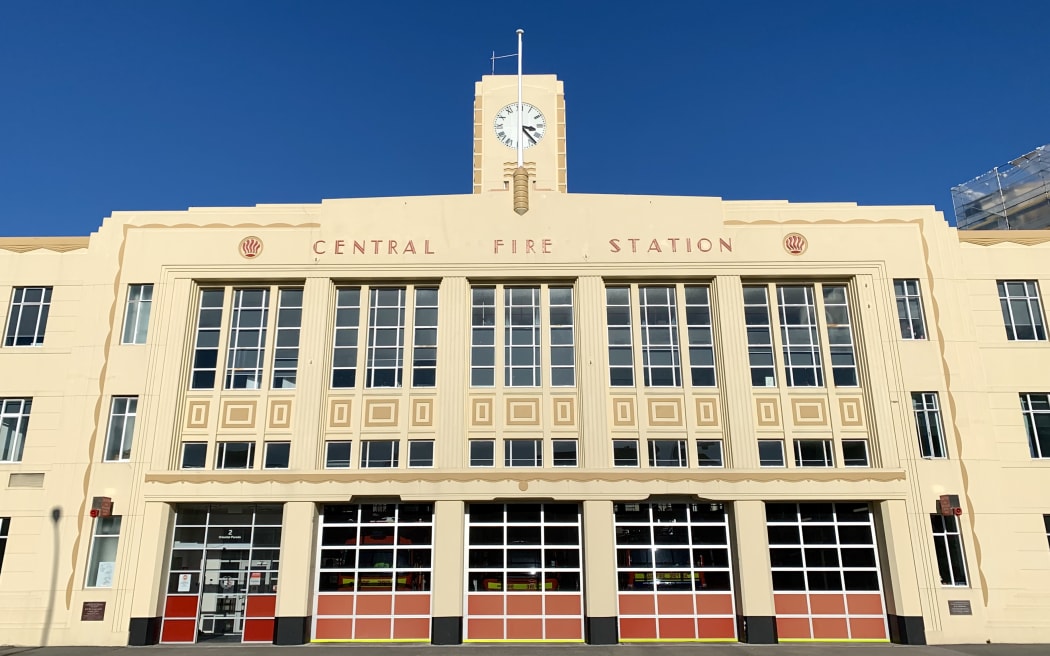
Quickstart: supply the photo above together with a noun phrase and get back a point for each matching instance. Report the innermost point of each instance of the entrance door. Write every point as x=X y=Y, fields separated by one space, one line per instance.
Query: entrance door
x=222 y=583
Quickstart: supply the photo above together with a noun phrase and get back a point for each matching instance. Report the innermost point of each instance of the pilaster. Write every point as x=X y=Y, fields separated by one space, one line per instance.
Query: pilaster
x=592 y=370
x=447 y=595
x=295 y=592
x=734 y=382
x=453 y=373
x=756 y=616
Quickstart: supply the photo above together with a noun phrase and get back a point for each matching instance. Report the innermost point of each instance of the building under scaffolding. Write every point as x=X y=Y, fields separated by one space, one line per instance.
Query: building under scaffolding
x=1012 y=197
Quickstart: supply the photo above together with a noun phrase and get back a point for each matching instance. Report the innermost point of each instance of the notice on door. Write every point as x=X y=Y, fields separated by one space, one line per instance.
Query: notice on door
x=185 y=581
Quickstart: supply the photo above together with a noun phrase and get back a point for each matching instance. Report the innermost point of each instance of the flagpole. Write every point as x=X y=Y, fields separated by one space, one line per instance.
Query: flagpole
x=520 y=137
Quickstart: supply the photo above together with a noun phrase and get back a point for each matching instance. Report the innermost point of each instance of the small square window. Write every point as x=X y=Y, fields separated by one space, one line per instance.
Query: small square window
x=276 y=455
x=709 y=453
x=814 y=453
x=235 y=455
x=565 y=453
x=523 y=453
x=625 y=453
x=379 y=453
x=194 y=455
x=770 y=453
x=337 y=455
x=482 y=453
x=421 y=453
x=855 y=453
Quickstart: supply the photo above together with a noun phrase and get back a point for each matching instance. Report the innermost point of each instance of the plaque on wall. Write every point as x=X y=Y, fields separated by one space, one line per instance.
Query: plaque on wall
x=93 y=611
x=959 y=607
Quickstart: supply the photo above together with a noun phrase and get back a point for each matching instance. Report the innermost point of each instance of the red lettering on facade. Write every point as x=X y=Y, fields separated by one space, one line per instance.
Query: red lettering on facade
x=654 y=246
x=701 y=243
x=547 y=245
x=530 y=246
x=319 y=242
x=410 y=248
x=339 y=243
x=614 y=245
x=725 y=245
x=391 y=247
x=359 y=247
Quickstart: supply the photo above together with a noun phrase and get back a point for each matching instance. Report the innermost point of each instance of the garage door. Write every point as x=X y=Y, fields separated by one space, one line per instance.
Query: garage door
x=673 y=569
x=825 y=569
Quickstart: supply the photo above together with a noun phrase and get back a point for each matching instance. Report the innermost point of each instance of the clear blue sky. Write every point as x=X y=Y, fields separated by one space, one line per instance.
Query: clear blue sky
x=143 y=105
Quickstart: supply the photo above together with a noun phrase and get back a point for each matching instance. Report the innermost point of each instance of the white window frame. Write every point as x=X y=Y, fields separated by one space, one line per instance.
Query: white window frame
x=245 y=360
x=562 y=336
x=267 y=446
x=136 y=314
x=5 y=528
x=425 y=337
x=719 y=461
x=794 y=348
x=367 y=461
x=385 y=351
x=908 y=295
x=13 y=440
x=929 y=425
x=867 y=454
x=565 y=461
x=679 y=459
x=1031 y=417
x=345 y=340
x=207 y=337
x=19 y=305
x=221 y=456
x=523 y=452
x=99 y=541
x=760 y=349
x=1026 y=302
x=522 y=318
x=767 y=462
x=337 y=463
x=182 y=455
x=946 y=535
x=620 y=335
x=839 y=330
x=286 y=338
x=659 y=329
x=121 y=432
x=416 y=460
x=626 y=444
x=700 y=336
x=479 y=459
x=828 y=447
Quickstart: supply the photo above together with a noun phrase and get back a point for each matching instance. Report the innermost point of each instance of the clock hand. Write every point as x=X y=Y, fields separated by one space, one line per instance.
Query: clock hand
x=525 y=130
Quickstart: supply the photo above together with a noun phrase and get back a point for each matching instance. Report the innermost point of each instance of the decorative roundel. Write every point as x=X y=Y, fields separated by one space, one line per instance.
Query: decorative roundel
x=250 y=247
x=795 y=244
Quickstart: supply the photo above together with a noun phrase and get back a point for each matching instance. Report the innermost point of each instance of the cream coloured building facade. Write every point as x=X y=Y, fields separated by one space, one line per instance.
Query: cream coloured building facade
x=612 y=418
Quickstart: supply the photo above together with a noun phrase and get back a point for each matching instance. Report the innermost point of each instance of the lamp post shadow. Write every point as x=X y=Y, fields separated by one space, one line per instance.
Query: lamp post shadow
x=56 y=516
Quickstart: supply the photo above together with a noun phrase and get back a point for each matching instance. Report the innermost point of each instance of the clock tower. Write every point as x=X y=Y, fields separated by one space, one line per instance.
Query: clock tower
x=496 y=132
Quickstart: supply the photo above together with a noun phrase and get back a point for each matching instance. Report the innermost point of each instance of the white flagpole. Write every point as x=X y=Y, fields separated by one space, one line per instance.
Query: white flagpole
x=520 y=137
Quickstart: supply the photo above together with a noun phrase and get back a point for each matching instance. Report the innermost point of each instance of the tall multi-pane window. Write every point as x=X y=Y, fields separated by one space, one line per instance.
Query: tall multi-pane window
x=347 y=326
x=521 y=336
x=759 y=336
x=424 y=341
x=247 y=348
x=482 y=336
x=121 y=432
x=103 y=559
x=27 y=320
x=519 y=324
x=136 y=314
x=1019 y=300
x=798 y=331
x=661 y=356
x=563 y=342
x=286 y=337
x=840 y=336
x=386 y=337
x=1036 y=411
x=701 y=341
x=947 y=542
x=928 y=424
x=621 y=344
x=206 y=342
x=909 y=308
x=14 y=422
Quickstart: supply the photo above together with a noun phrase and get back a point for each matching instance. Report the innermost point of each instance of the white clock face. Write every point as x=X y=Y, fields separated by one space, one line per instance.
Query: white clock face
x=533 y=125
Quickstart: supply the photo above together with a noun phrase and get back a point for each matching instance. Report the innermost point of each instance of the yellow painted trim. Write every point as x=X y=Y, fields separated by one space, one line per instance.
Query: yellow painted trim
x=581 y=641
x=834 y=640
x=417 y=640
x=626 y=640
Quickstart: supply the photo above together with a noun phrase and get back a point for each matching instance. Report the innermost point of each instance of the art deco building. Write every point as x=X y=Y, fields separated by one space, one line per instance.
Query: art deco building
x=611 y=418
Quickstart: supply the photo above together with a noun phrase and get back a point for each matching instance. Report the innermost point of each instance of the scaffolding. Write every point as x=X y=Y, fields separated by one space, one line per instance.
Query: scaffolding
x=1015 y=196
